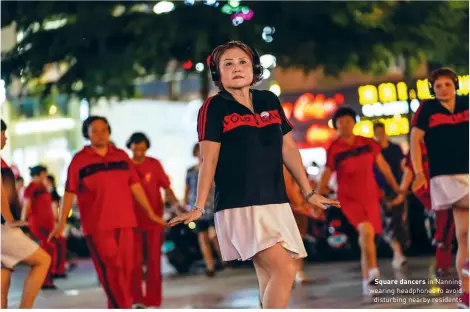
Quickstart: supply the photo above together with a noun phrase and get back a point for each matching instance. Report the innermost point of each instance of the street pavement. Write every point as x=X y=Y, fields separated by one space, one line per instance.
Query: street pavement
x=333 y=285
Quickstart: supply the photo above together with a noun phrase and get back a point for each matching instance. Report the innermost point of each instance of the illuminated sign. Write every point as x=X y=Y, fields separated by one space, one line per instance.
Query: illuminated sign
x=319 y=107
x=396 y=93
x=386 y=109
x=394 y=126
x=319 y=135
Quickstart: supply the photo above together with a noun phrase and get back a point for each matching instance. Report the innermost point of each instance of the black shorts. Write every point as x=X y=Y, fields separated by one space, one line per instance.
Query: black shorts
x=204 y=225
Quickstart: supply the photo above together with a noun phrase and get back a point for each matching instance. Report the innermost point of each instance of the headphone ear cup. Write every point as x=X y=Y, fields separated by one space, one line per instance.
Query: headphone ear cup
x=431 y=89
x=214 y=73
x=257 y=68
x=456 y=82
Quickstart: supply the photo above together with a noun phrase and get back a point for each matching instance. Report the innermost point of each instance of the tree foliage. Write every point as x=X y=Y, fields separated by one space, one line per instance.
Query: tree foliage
x=106 y=46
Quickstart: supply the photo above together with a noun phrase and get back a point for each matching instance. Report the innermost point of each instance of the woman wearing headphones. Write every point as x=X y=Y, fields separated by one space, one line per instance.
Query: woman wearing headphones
x=105 y=182
x=443 y=124
x=245 y=139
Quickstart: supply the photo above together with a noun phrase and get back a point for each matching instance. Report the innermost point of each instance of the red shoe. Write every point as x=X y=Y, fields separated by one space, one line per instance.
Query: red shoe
x=463 y=301
x=465 y=269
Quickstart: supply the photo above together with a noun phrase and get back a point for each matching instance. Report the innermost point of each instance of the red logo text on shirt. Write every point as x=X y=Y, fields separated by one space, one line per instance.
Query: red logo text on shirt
x=235 y=120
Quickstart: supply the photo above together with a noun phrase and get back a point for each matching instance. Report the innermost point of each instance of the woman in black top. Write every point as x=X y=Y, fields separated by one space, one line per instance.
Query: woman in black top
x=443 y=125
x=245 y=139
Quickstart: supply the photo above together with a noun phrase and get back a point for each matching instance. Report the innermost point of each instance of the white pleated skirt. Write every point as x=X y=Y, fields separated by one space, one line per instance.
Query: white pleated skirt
x=16 y=246
x=446 y=190
x=245 y=231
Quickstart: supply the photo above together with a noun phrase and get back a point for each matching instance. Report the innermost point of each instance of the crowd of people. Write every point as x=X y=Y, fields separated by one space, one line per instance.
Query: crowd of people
x=249 y=193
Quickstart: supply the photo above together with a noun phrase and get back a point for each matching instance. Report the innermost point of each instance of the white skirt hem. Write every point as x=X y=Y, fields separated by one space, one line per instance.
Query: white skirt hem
x=446 y=190
x=246 y=231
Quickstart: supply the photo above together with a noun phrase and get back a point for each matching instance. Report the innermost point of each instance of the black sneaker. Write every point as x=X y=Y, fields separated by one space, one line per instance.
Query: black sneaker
x=49 y=287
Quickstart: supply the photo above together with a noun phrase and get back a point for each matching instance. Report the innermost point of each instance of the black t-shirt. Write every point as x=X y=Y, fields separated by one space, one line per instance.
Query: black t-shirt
x=249 y=169
x=446 y=136
x=393 y=155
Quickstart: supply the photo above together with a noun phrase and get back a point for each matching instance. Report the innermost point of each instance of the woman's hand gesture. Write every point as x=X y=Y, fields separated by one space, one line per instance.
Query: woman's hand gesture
x=186 y=218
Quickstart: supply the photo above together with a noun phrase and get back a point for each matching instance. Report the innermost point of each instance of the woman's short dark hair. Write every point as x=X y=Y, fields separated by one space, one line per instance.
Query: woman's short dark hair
x=343 y=111
x=51 y=179
x=4 y=126
x=37 y=170
x=138 y=137
x=86 y=124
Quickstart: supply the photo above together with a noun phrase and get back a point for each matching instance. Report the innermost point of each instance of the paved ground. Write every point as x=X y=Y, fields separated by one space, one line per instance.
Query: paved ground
x=333 y=285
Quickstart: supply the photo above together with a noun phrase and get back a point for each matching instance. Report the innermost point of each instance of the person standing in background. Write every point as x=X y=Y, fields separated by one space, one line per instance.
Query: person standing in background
x=37 y=211
x=19 y=184
x=205 y=227
x=395 y=229
x=148 y=236
x=106 y=183
x=445 y=227
x=59 y=260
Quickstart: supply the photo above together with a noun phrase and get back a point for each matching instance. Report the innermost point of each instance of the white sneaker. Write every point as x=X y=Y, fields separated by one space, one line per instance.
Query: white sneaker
x=373 y=275
x=399 y=263
x=300 y=278
x=368 y=289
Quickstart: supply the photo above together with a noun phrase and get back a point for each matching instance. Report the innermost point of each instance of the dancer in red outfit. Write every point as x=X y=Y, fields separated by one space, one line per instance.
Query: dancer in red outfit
x=37 y=208
x=59 y=260
x=445 y=227
x=353 y=158
x=105 y=182
x=148 y=235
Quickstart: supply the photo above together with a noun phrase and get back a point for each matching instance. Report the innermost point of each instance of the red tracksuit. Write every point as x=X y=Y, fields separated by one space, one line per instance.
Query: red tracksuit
x=445 y=227
x=357 y=188
x=102 y=185
x=59 y=259
x=149 y=236
x=41 y=219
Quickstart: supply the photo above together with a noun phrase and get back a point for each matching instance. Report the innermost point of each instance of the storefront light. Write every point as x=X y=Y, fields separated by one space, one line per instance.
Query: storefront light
x=396 y=125
x=368 y=95
x=387 y=109
x=414 y=105
x=276 y=89
x=387 y=92
x=44 y=126
x=402 y=91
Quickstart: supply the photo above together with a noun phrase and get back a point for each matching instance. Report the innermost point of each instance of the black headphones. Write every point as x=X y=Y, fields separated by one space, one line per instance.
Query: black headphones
x=443 y=71
x=89 y=120
x=257 y=68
